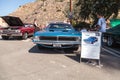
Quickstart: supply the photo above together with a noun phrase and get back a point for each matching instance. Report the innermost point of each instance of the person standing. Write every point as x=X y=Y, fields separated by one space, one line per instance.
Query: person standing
x=101 y=24
x=101 y=27
x=35 y=25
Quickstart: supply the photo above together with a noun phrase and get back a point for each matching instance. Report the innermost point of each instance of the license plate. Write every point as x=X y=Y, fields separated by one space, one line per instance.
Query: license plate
x=56 y=45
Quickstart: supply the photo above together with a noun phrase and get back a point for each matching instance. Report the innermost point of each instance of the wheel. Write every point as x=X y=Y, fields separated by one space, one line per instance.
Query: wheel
x=5 y=37
x=77 y=49
x=25 y=36
x=110 y=41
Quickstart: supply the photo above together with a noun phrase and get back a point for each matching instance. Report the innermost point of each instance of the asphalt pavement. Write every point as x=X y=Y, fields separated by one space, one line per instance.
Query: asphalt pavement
x=22 y=60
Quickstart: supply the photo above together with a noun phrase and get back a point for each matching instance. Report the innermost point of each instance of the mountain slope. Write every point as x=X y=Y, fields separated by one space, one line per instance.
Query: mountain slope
x=50 y=10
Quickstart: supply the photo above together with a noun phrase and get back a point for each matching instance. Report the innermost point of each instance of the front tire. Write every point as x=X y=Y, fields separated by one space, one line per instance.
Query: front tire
x=77 y=49
x=25 y=36
x=110 y=41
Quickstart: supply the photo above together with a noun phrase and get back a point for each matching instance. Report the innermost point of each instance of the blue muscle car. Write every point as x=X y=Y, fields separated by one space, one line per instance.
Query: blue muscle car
x=58 y=35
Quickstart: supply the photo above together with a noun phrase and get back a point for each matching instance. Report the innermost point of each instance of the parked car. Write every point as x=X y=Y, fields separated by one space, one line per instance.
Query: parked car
x=58 y=35
x=91 y=40
x=13 y=27
x=112 y=35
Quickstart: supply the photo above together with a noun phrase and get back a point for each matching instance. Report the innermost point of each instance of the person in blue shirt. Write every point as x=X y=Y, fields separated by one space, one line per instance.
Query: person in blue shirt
x=101 y=24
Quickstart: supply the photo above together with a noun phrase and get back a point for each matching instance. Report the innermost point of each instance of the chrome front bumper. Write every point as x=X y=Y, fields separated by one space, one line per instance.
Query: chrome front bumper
x=56 y=42
x=13 y=34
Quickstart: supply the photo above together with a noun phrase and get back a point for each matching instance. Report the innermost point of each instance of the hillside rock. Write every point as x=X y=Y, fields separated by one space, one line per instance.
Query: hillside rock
x=50 y=10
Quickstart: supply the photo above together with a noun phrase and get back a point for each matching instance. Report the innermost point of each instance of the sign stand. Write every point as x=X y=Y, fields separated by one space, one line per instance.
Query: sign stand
x=91 y=46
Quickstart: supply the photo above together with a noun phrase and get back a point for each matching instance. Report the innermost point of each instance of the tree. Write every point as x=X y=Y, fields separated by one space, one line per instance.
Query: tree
x=86 y=9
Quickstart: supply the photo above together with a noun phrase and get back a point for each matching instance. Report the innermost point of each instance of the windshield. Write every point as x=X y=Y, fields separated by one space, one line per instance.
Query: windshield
x=59 y=27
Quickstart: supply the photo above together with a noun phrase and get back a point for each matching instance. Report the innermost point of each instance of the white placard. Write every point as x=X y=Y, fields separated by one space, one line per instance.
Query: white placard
x=91 y=45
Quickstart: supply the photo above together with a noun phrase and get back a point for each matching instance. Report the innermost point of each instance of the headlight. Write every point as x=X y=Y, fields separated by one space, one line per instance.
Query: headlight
x=18 y=31
x=36 y=38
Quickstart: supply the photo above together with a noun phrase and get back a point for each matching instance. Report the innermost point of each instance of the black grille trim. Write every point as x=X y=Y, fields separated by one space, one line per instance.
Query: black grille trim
x=58 y=38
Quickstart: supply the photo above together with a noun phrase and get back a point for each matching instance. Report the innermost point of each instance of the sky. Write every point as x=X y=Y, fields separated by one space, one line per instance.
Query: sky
x=9 y=6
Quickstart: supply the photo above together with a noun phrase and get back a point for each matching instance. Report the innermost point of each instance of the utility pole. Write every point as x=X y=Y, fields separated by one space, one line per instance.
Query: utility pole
x=70 y=14
x=70 y=5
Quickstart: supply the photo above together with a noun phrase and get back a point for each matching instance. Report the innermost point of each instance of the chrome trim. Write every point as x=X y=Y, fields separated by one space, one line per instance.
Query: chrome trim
x=56 y=42
x=17 y=34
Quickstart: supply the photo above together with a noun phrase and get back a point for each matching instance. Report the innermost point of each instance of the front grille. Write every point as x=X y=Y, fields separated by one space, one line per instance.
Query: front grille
x=58 y=38
x=48 y=38
x=67 y=38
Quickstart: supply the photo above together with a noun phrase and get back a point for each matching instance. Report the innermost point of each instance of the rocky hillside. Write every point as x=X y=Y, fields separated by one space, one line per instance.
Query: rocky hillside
x=50 y=10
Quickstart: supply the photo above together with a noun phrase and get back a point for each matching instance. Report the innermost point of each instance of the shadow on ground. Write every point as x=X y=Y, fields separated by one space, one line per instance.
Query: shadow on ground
x=43 y=50
x=67 y=52
x=107 y=60
x=110 y=61
x=75 y=57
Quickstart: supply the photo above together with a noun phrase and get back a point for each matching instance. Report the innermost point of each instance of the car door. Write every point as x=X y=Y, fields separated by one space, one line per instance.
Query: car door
x=117 y=33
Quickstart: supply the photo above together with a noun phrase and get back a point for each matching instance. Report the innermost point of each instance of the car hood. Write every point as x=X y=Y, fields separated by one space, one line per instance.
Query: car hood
x=12 y=21
x=114 y=30
x=57 y=33
x=13 y=27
